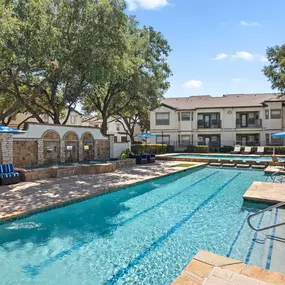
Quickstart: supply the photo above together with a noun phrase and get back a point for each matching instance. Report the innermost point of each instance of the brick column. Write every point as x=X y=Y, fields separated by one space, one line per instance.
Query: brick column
x=62 y=151
x=80 y=150
x=111 y=144
x=41 y=159
x=6 y=148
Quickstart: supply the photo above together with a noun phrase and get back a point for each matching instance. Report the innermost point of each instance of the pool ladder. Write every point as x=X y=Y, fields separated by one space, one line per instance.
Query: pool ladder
x=262 y=211
x=276 y=176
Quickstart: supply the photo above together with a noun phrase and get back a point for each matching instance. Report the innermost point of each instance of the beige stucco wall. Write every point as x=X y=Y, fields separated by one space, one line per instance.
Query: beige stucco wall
x=228 y=130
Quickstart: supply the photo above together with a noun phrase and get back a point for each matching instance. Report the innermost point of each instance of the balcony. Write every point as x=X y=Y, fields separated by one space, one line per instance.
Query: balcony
x=214 y=124
x=249 y=124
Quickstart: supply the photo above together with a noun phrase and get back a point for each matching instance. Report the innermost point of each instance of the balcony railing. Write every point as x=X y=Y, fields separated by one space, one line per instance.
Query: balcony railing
x=249 y=124
x=209 y=125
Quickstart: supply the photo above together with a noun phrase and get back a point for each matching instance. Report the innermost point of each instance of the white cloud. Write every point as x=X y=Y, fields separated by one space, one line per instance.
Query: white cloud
x=249 y=24
x=241 y=55
x=193 y=84
x=221 y=56
x=146 y=4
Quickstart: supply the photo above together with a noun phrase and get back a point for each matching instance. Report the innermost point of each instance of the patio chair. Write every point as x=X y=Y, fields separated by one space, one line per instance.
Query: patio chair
x=236 y=149
x=260 y=150
x=141 y=159
x=8 y=174
x=151 y=158
x=247 y=150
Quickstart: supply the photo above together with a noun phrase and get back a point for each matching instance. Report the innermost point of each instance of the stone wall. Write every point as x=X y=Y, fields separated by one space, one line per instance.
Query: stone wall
x=53 y=145
x=66 y=171
x=101 y=149
x=25 y=153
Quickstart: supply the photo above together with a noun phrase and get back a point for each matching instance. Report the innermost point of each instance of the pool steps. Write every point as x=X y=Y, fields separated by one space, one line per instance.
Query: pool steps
x=264 y=249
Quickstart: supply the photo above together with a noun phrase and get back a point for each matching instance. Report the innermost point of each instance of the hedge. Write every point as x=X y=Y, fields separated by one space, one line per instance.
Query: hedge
x=197 y=149
x=150 y=148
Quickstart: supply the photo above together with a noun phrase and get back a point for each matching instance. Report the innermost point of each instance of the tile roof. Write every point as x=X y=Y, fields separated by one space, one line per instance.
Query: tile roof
x=227 y=100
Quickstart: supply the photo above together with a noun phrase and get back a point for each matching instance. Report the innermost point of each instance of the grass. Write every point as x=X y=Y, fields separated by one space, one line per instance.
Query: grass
x=184 y=165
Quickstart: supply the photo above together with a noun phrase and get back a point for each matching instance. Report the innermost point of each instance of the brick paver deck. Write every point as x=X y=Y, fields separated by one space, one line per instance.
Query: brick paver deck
x=29 y=197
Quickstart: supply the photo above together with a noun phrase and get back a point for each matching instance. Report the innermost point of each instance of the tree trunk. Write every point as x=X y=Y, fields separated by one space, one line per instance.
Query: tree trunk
x=104 y=127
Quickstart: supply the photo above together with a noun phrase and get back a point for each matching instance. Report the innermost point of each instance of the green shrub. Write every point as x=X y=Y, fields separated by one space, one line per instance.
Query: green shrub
x=125 y=153
x=149 y=148
x=197 y=149
x=278 y=149
x=226 y=149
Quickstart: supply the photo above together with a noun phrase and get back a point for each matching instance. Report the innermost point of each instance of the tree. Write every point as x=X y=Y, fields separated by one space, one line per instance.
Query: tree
x=47 y=52
x=275 y=71
x=136 y=84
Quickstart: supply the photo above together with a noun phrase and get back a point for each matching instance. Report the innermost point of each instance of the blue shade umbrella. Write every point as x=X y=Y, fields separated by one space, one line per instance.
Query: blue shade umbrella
x=279 y=135
x=5 y=129
x=146 y=136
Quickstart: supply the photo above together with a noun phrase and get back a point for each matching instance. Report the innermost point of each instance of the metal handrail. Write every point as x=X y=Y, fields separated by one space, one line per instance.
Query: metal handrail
x=262 y=211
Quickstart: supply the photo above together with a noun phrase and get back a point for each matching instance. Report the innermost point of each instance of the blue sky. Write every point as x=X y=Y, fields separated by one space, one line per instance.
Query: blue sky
x=219 y=46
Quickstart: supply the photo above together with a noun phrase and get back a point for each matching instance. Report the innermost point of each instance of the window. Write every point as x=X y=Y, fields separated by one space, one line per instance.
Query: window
x=209 y=120
x=72 y=119
x=185 y=139
x=162 y=119
x=185 y=116
x=118 y=127
x=267 y=139
x=163 y=139
x=251 y=118
x=266 y=114
x=124 y=139
x=115 y=139
x=275 y=114
x=276 y=140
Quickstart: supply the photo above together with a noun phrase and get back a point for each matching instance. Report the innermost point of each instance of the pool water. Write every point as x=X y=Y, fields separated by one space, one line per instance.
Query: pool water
x=221 y=156
x=66 y=164
x=144 y=234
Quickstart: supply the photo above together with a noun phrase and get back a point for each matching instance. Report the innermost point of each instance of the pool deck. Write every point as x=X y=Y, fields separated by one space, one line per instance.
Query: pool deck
x=27 y=198
x=209 y=268
x=267 y=192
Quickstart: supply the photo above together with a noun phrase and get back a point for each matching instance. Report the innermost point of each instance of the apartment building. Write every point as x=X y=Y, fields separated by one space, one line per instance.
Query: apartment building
x=113 y=128
x=18 y=120
x=245 y=119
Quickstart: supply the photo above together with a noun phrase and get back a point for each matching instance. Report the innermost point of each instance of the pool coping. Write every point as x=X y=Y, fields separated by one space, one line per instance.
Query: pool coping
x=175 y=157
x=18 y=215
x=204 y=262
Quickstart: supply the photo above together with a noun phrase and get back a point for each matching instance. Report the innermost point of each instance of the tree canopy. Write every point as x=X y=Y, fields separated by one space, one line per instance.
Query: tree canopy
x=135 y=87
x=58 y=53
x=275 y=71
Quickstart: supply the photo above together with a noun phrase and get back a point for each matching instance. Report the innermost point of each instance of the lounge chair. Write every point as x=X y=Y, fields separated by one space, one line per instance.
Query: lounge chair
x=260 y=150
x=227 y=163
x=251 y=162
x=214 y=162
x=236 y=149
x=247 y=150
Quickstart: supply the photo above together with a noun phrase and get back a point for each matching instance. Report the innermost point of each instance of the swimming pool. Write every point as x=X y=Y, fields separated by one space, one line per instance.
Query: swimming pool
x=144 y=234
x=221 y=156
